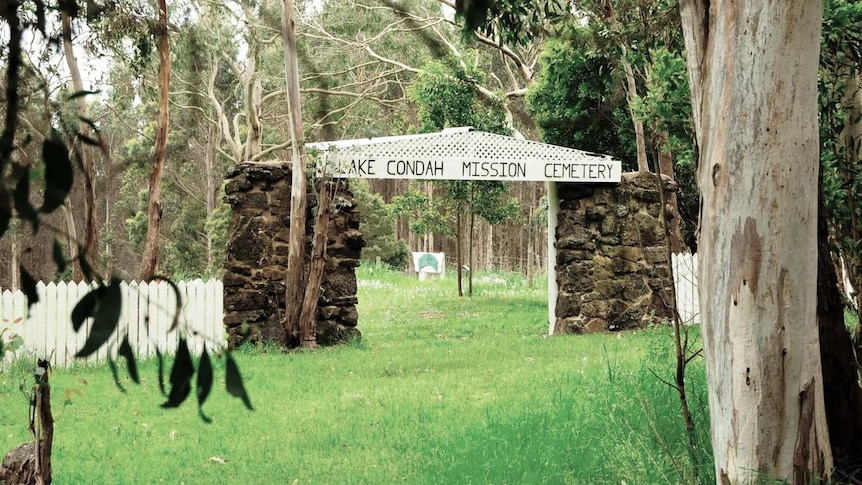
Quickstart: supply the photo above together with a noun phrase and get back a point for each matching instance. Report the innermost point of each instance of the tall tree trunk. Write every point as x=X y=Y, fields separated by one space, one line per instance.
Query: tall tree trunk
x=848 y=166
x=631 y=90
x=108 y=215
x=213 y=184
x=757 y=136
x=72 y=240
x=294 y=279
x=91 y=242
x=841 y=390
x=631 y=97
x=154 y=203
x=308 y=317
x=253 y=93
x=665 y=165
x=429 y=237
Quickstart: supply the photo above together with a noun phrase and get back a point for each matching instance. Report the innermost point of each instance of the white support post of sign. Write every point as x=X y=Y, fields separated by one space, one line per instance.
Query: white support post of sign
x=553 y=289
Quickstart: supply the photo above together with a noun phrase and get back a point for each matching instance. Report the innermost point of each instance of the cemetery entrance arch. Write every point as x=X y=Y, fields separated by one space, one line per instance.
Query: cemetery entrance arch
x=607 y=262
x=466 y=154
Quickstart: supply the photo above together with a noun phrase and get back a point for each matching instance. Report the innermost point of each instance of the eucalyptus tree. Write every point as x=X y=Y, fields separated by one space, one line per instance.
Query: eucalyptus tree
x=240 y=44
x=145 y=26
x=49 y=111
x=88 y=166
x=376 y=44
x=150 y=257
x=385 y=48
x=39 y=88
x=758 y=247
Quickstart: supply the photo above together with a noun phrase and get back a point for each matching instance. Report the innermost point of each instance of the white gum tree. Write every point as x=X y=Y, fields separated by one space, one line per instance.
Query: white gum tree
x=753 y=70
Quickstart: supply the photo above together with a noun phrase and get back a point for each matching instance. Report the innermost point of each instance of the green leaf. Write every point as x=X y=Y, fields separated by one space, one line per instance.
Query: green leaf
x=86 y=269
x=88 y=140
x=179 y=301
x=181 y=376
x=89 y=122
x=233 y=382
x=113 y=366
x=204 y=383
x=28 y=285
x=21 y=197
x=161 y=364
x=126 y=352
x=16 y=343
x=86 y=307
x=58 y=173
x=106 y=316
x=78 y=94
x=59 y=258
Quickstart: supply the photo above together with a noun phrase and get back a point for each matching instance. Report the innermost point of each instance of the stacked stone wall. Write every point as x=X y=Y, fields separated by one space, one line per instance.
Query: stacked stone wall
x=257 y=251
x=612 y=259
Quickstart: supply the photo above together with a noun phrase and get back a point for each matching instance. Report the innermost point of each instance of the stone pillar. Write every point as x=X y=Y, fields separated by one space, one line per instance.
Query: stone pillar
x=612 y=261
x=256 y=257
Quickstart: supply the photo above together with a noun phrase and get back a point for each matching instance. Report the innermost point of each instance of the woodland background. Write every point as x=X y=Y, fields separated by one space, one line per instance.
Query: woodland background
x=599 y=76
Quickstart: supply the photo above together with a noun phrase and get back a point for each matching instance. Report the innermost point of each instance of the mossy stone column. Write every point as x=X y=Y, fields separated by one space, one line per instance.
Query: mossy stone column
x=256 y=257
x=612 y=260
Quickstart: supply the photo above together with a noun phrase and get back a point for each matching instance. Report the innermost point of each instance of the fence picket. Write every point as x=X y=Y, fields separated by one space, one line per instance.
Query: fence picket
x=145 y=344
x=47 y=328
x=49 y=321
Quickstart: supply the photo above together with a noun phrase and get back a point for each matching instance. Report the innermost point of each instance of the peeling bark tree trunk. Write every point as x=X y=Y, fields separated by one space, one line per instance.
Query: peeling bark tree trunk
x=631 y=97
x=214 y=179
x=154 y=204
x=308 y=317
x=753 y=69
x=253 y=94
x=298 y=196
x=665 y=167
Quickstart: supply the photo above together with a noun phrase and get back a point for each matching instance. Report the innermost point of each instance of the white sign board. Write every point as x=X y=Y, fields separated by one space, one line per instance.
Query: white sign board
x=465 y=169
x=434 y=263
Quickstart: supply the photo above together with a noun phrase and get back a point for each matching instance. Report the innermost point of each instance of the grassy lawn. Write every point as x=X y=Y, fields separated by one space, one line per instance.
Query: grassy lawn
x=441 y=389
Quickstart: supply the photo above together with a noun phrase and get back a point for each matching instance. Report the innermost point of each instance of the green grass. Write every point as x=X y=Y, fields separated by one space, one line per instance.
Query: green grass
x=440 y=390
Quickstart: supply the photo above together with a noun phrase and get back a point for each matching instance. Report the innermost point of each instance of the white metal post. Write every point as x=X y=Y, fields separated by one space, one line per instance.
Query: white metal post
x=553 y=289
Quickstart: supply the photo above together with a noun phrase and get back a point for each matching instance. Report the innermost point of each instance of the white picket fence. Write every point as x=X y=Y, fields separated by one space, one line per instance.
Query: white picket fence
x=147 y=315
x=47 y=327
